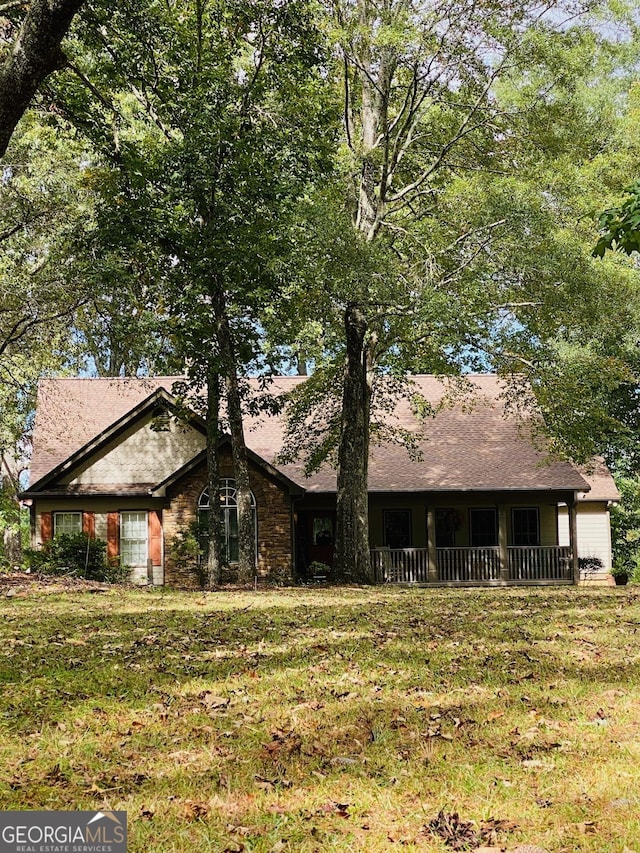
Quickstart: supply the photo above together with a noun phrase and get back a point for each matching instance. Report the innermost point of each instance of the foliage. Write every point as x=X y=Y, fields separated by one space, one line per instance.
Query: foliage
x=589 y=566
x=625 y=528
x=73 y=554
x=326 y=719
x=14 y=522
x=43 y=208
x=206 y=126
x=457 y=215
x=620 y=226
x=30 y=49
x=318 y=569
x=186 y=552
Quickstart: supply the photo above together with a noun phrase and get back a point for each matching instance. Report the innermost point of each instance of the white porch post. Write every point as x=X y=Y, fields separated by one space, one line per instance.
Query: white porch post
x=431 y=546
x=502 y=543
x=573 y=539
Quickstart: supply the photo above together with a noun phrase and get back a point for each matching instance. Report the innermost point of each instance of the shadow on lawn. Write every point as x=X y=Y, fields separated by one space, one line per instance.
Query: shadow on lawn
x=133 y=699
x=52 y=663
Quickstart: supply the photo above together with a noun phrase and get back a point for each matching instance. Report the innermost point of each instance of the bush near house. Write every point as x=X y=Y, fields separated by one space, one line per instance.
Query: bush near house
x=73 y=554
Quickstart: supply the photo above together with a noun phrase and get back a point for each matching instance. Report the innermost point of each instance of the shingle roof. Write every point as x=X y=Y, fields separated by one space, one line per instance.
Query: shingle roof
x=471 y=446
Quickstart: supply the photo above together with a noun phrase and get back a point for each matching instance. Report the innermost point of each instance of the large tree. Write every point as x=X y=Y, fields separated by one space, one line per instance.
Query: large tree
x=205 y=115
x=429 y=103
x=30 y=50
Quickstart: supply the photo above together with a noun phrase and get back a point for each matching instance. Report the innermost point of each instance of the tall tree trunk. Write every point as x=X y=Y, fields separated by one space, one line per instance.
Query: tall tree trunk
x=352 y=557
x=35 y=54
x=246 y=527
x=11 y=546
x=217 y=557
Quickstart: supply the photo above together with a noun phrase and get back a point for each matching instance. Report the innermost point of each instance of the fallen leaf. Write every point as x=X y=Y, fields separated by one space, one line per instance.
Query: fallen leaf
x=213 y=702
x=494 y=715
x=194 y=811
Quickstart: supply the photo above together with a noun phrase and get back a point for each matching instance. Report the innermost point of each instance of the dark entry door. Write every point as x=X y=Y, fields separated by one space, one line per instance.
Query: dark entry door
x=316 y=538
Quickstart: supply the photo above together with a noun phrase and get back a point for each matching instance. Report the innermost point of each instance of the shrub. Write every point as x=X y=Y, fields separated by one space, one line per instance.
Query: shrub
x=72 y=554
x=319 y=569
x=187 y=552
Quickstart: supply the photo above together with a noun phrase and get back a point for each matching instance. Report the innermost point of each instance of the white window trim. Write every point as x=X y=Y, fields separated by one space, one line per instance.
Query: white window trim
x=136 y=539
x=57 y=520
x=229 y=502
x=516 y=509
x=477 y=509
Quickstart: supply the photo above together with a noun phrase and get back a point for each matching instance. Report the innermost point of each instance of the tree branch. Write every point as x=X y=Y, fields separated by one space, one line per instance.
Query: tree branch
x=36 y=53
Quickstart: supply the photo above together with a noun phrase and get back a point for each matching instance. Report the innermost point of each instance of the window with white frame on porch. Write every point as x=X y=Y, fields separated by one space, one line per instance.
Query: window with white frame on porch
x=525 y=525
x=483 y=527
x=447 y=521
x=397 y=528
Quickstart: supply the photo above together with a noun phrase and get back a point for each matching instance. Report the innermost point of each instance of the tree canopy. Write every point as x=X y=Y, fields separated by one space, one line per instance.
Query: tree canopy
x=369 y=189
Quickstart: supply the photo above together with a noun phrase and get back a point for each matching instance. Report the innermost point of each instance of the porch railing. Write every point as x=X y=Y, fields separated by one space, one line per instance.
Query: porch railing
x=468 y=565
x=471 y=565
x=400 y=565
x=528 y=563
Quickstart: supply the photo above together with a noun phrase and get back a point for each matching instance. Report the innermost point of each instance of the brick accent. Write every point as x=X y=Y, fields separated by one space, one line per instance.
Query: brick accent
x=273 y=514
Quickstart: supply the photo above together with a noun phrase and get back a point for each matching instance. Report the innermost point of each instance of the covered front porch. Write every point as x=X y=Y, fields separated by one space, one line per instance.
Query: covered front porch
x=453 y=538
x=482 y=539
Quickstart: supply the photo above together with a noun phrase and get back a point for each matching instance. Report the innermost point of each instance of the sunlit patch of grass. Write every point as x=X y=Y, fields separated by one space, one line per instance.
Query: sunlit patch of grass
x=327 y=719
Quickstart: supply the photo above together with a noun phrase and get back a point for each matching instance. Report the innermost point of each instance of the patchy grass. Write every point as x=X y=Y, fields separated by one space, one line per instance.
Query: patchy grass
x=329 y=719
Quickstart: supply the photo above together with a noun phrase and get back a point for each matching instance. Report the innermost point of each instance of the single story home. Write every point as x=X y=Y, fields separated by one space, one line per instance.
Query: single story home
x=478 y=501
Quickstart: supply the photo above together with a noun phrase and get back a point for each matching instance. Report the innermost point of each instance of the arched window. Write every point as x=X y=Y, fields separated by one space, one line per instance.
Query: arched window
x=229 y=506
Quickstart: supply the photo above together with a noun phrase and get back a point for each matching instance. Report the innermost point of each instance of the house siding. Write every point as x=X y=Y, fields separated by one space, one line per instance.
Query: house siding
x=594 y=532
x=142 y=456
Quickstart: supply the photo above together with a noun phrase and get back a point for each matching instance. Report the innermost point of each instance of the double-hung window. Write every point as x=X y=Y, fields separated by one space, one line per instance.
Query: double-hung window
x=483 y=523
x=525 y=524
x=134 y=538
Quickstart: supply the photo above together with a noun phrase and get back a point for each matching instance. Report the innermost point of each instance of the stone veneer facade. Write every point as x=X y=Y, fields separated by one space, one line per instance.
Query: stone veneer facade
x=273 y=516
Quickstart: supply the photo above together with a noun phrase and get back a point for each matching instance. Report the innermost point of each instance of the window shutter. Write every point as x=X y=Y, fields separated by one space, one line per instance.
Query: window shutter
x=46 y=526
x=89 y=524
x=155 y=537
x=113 y=536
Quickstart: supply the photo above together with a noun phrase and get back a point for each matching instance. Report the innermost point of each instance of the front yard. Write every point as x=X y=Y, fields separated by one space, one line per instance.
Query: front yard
x=328 y=719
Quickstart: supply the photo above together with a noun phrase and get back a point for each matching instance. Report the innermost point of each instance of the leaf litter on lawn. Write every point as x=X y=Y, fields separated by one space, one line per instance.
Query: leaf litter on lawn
x=386 y=700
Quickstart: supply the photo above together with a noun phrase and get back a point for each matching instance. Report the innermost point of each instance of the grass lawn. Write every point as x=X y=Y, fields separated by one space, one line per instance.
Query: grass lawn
x=328 y=719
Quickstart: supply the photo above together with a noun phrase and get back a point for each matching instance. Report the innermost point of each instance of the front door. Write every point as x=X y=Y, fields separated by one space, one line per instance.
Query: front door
x=316 y=531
